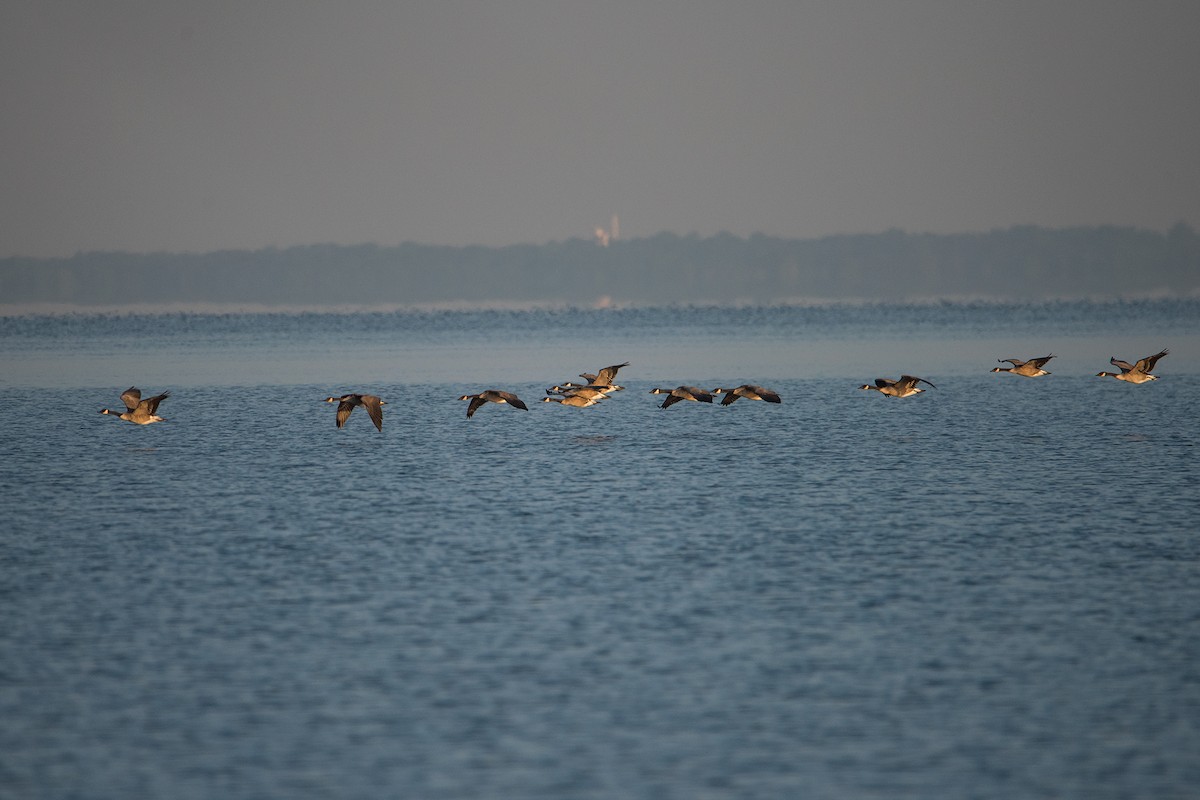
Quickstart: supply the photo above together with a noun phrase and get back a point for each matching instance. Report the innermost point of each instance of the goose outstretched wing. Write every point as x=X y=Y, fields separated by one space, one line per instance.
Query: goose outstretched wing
x=1147 y=364
x=131 y=397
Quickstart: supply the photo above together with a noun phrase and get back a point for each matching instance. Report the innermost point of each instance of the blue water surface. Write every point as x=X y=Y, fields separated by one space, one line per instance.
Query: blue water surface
x=990 y=590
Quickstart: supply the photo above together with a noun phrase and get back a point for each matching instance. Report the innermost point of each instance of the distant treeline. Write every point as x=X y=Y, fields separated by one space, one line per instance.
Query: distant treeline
x=1021 y=263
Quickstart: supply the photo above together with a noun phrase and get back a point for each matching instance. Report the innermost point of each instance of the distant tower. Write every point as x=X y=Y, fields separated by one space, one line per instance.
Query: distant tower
x=603 y=237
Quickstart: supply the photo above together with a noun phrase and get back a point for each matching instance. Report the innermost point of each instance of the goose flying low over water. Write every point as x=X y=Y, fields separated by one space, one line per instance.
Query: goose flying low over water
x=348 y=402
x=604 y=377
x=590 y=392
x=575 y=400
x=1029 y=369
x=1134 y=373
x=492 y=396
x=139 y=411
x=906 y=386
x=682 y=393
x=748 y=391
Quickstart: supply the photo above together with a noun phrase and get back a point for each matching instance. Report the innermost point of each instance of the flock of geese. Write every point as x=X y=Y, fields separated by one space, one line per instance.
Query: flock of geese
x=603 y=383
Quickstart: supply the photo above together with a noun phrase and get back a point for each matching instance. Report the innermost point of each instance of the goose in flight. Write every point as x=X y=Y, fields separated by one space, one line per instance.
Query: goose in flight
x=604 y=377
x=575 y=400
x=567 y=386
x=1135 y=373
x=905 y=387
x=1029 y=369
x=748 y=391
x=589 y=392
x=682 y=393
x=139 y=411
x=348 y=402
x=492 y=396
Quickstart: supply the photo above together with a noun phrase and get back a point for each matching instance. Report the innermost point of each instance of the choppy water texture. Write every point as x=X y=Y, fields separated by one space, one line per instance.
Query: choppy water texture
x=990 y=590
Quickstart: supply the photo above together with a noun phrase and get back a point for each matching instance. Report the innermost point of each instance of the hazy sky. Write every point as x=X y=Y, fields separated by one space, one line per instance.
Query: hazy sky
x=206 y=125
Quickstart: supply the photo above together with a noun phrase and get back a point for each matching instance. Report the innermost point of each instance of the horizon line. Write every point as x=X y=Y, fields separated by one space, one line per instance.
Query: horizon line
x=615 y=244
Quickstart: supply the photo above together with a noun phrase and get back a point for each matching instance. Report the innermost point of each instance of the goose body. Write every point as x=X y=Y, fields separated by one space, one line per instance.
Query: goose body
x=605 y=376
x=590 y=392
x=906 y=386
x=574 y=400
x=566 y=386
x=492 y=396
x=748 y=391
x=683 y=393
x=348 y=402
x=1029 y=369
x=137 y=410
x=1134 y=373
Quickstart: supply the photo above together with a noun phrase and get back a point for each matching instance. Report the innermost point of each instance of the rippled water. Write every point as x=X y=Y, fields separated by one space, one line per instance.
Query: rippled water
x=989 y=590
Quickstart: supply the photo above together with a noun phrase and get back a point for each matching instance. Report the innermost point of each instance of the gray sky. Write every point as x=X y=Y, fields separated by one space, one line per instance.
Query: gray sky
x=207 y=125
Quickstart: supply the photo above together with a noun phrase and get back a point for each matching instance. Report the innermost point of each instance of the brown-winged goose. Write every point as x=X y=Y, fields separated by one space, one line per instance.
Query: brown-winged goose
x=1134 y=373
x=906 y=386
x=605 y=376
x=348 y=402
x=139 y=411
x=748 y=391
x=1029 y=369
x=589 y=392
x=575 y=400
x=492 y=396
x=682 y=393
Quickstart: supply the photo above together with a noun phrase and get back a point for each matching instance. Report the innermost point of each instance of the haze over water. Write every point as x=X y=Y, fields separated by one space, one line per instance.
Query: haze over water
x=988 y=590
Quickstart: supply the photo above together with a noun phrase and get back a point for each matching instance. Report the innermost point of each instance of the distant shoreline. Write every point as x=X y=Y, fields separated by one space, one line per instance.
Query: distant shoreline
x=220 y=309
x=1020 y=264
